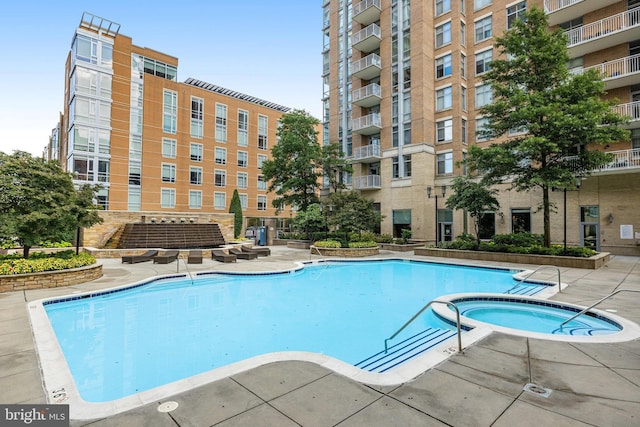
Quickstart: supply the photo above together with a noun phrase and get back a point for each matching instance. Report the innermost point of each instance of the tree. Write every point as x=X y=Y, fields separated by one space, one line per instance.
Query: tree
x=333 y=165
x=235 y=207
x=294 y=169
x=311 y=221
x=350 y=212
x=474 y=197
x=38 y=201
x=556 y=115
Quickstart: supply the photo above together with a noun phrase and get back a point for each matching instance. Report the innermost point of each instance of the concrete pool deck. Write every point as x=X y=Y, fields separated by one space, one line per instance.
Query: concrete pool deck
x=591 y=384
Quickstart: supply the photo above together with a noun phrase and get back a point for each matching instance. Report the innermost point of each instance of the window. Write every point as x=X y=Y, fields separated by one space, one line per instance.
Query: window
x=221 y=156
x=262 y=132
x=463 y=33
x=262 y=184
x=483 y=29
x=443 y=98
x=135 y=172
x=515 y=12
x=219 y=200
x=443 y=66
x=463 y=65
x=521 y=220
x=221 y=122
x=261 y=160
x=168 y=198
x=407 y=166
x=487 y=225
x=133 y=202
x=195 y=152
x=168 y=172
x=464 y=131
x=169 y=148
x=444 y=131
x=244 y=201
x=262 y=203
x=483 y=60
x=484 y=95
x=243 y=159
x=243 y=180
x=463 y=98
x=195 y=199
x=479 y=4
x=220 y=178
x=195 y=175
x=481 y=124
x=445 y=163
x=197 y=106
x=170 y=111
x=443 y=34
x=442 y=6
x=243 y=128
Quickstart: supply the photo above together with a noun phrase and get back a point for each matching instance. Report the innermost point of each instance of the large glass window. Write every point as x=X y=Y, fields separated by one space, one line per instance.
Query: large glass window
x=243 y=128
x=221 y=156
x=444 y=131
x=442 y=6
x=168 y=198
x=481 y=126
x=483 y=60
x=170 y=111
x=221 y=122
x=483 y=29
x=484 y=95
x=443 y=98
x=168 y=172
x=262 y=132
x=243 y=159
x=261 y=160
x=220 y=178
x=195 y=199
x=443 y=34
x=169 y=148
x=487 y=225
x=243 y=180
x=521 y=220
x=262 y=203
x=516 y=12
x=444 y=163
x=195 y=175
x=195 y=152
x=244 y=201
x=219 y=200
x=262 y=184
x=443 y=66
x=479 y=4
x=197 y=111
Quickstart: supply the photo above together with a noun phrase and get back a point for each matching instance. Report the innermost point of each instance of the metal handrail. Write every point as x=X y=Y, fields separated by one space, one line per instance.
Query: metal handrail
x=448 y=303
x=317 y=250
x=596 y=303
x=185 y=266
x=542 y=267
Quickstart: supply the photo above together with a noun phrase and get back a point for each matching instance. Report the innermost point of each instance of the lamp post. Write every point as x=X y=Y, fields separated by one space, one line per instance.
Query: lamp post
x=578 y=182
x=429 y=190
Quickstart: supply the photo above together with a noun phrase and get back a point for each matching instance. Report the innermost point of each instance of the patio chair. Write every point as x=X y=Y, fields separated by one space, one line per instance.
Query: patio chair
x=169 y=256
x=260 y=251
x=242 y=255
x=219 y=255
x=195 y=257
x=147 y=256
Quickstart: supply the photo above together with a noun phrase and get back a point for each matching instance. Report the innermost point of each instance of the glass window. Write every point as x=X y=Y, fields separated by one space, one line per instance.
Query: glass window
x=463 y=33
x=516 y=12
x=521 y=220
x=443 y=34
x=243 y=128
x=262 y=184
x=483 y=60
x=219 y=200
x=195 y=199
x=168 y=172
x=133 y=203
x=135 y=172
x=484 y=95
x=444 y=131
x=170 y=111
x=168 y=198
x=169 y=148
x=261 y=160
x=221 y=156
x=262 y=203
x=444 y=163
x=262 y=132
x=463 y=98
x=483 y=29
x=220 y=178
x=244 y=201
x=195 y=175
x=479 y=4
x=221 y=123
x=195 y=152
x=197 y=107
x=464 y=131
x=487 y=225
x=243 y=180
x=442 y=6
x=243 y=159
x=443 y=66
x=443 y=98
x=463 y=65
x=481 y=124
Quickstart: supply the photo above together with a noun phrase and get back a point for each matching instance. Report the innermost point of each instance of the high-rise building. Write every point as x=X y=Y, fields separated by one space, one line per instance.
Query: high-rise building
x=156 y=144
x=402 y=91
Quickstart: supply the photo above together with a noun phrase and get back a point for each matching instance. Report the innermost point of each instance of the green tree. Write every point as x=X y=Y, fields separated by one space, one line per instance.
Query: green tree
x=557 y=114
x=474 y=197
x=235 y=207
x=294 y=170
x=311 y=221
x=350 y=212
x=38 y=201
x=334 y=164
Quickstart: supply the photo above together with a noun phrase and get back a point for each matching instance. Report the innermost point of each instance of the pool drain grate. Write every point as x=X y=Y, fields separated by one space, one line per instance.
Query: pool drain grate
x=536 y=389
x=167 y=406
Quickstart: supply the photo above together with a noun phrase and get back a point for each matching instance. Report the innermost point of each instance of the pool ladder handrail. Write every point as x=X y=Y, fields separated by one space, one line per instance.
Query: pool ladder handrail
x=317 y=250
x=596 y=303
x=187 y=268
x=542 y=267
x=448 y=303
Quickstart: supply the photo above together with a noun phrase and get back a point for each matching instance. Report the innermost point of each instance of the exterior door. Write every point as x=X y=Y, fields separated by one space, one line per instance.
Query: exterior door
x=446 y=231
x=590 y=227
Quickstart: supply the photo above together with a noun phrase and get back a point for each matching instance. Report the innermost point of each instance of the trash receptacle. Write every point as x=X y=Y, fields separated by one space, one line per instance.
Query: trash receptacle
x=262 y=236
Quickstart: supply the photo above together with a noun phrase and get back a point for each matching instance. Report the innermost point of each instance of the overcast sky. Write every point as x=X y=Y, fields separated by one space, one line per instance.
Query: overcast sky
x=268 y=49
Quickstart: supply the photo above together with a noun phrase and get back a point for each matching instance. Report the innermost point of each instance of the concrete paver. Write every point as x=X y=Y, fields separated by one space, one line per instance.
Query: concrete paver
x=592 y=384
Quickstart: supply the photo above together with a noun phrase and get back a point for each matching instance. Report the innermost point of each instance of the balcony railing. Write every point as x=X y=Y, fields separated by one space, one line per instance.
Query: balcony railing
x=553 y=5
x=367 y=67
x=367 y=182
x=630 y=109
x=367 y=125
x=367 y=39
x=559 y=11
x=368 y=152
x=605 y=27
x=617 y=73
x=622 y=160
x=367 y=96
x=366 y=11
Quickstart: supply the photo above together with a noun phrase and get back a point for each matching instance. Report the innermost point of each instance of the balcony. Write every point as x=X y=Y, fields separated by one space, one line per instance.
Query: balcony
x=367 y=125
x=367 y=67
x=623 y=161
x=366 y=154
x=618 y=73
x=367 y=96
x=605 y=33
x=367 y=182
x=559 y=11
x=631 y=110
x=367 y=39
x=367 y=12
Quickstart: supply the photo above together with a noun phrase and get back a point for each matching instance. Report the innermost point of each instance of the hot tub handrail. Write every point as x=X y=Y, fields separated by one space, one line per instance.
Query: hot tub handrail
x=596 y=303
x=542 y=267
x=448 y=303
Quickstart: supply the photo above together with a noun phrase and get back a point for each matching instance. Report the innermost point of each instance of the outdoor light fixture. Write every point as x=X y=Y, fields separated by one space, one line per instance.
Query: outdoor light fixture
x=611 y=218
x=429 y=192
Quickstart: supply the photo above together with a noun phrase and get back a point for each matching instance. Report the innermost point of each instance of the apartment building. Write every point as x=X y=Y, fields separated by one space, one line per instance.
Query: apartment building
x=402 y=87
x=156 y=144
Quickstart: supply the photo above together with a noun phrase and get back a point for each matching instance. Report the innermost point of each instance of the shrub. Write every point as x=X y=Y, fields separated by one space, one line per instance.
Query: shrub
x=369 y=244
x=328 y=244
x=383 y=238
x=49 y=262
x=50 y=244
x=519 y=239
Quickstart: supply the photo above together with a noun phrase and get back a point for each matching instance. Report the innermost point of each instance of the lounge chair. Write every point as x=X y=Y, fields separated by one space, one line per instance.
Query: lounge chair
x=147 y=256
x=260 y=251
x=242 y=255
x=169 y=256
x=219 y=255
x=195 y=257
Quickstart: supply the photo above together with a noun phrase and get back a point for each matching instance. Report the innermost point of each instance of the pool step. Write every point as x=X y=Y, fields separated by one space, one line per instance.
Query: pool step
x=405 y=350
x=522 y=289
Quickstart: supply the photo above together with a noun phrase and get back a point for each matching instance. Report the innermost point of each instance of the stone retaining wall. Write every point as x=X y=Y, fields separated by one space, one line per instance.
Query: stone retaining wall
x=50 y=279
x=345 y=252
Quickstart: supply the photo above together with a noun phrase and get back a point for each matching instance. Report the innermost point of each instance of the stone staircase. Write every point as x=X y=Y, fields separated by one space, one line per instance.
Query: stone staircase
x=170 y=236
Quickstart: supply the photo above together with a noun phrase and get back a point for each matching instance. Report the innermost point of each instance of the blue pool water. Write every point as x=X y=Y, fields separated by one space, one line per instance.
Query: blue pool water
x=120 y=343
